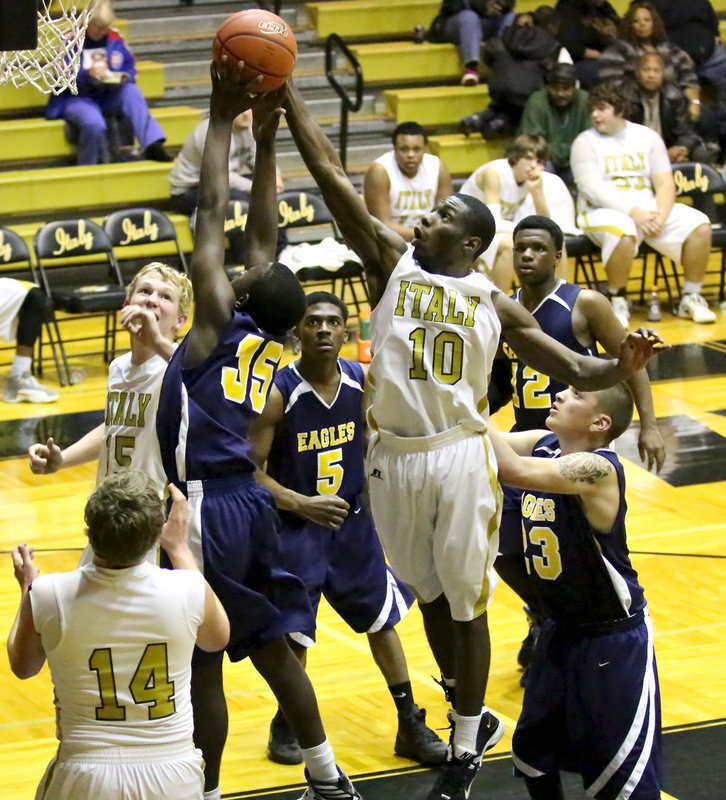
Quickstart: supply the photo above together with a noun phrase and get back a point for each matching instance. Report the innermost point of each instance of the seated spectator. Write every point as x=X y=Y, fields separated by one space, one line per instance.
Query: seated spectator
x=557 y=113
x=518 y=62
x=587 y=28
x=626 y=195
x=184 y=175
x=693 y=26
x=23 y=309
x=513 y=188
x=665 y=111
x=406 y=182
x=467 y=23
x=642 y=31
x=107 y=86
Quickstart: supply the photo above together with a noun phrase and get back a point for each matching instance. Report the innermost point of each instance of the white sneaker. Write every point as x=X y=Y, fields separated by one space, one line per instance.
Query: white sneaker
x=621 y=309
x=26 y=388
x=693 y=306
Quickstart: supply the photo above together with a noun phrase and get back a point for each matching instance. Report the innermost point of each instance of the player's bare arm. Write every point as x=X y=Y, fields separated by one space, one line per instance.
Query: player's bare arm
x=593 y=316
x=143 y=329
x=378 y=247
x=376 y=192
x=214 y=293
x=588 y=468
x=329 y=511
x=25 y=649
x=45 y=459
x=541 y=352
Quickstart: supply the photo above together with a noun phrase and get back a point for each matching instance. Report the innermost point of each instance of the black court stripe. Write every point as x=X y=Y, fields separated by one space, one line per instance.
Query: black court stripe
x=692 y=726
x=677 y=555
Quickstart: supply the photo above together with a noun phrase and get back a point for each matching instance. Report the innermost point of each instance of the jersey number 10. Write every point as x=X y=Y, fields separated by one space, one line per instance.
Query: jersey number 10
x=447 y=363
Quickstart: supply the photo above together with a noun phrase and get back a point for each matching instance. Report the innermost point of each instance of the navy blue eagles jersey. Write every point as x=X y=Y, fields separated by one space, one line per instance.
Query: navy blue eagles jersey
x=320 y=449
x=583 y=576
x=205 y=411
x=535 y=392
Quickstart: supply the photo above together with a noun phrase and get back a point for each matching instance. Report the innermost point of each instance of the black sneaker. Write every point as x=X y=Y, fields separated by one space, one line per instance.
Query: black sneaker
x=342 y=789
x=415 y=740
x=491 y=730
x=283 y=746
x=156 y=152
x=455 y=779
x=524 y=657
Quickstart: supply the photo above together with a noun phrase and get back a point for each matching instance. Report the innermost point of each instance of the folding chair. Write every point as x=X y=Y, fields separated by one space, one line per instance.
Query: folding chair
x=16 y=262
x=307 y=210
x=234 y=224
x=79 y=272
x=132 y=227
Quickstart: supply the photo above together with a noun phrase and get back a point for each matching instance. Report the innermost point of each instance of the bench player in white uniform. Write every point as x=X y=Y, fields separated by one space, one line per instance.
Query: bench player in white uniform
x=118 y=635
x=157 y=304
x=514 y=188
x=406 y=182
x=435 y=332
x=627 y=196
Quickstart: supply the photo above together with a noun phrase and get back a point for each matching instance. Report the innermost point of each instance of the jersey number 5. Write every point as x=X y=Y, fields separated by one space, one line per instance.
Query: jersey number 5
x=150 y=683
x=258 y=360
x=330 y=473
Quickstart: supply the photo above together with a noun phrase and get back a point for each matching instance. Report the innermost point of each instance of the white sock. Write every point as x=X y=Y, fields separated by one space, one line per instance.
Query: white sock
x=320 y=762
x=213 y=794
x=465 y=731
x=692 y=287
x=21 y=365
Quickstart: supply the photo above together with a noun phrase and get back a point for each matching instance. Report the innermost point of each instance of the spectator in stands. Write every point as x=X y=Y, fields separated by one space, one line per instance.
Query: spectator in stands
x=693 y=26
x=518 y=61
x=184 y=175
x=665 y=110
x=23 y=309
x=642 y=31
x=557 y=113
x=513 y=188
x=587 y=28
x=467 y=23
x=626 y=195
x=107 y=86
x=406 y=182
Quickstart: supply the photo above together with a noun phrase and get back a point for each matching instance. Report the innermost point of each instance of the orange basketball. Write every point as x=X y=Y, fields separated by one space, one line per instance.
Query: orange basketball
x=263 y=41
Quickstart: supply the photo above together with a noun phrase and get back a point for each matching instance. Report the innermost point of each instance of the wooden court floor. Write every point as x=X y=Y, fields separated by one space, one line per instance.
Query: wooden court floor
x=677 y=535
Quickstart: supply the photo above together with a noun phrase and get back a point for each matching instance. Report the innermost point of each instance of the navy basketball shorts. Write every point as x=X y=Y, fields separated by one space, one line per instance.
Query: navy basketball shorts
x=592 y=706
x=234 y=534
x=349 y=569
x=510 y=528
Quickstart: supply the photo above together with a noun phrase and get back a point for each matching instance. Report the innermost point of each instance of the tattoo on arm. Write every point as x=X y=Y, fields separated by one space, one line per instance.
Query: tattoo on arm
x=584 y=467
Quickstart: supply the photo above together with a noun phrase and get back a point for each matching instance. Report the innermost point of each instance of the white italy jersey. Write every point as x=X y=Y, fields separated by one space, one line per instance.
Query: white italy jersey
x=433 y=342
x=132 y=400
x=411 y=198
x=511 y=196
x=623 y=164
x=119 y=644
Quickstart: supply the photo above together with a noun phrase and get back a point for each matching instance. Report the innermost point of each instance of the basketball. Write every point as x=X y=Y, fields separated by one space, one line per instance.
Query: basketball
x=263 y=41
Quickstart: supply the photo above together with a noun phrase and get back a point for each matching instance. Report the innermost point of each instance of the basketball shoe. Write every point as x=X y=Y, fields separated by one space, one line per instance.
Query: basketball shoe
x=27 y=389
x=342 y=789
x=415 y=740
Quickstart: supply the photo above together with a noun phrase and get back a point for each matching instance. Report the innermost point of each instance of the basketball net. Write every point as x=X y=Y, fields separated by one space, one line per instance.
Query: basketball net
x=53 y=66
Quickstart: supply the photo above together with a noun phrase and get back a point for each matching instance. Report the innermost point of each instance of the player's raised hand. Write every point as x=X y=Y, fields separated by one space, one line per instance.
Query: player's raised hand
x=651 y=448
x=637 y=349
x=23 y=567
x=327 y=510
x=267 y=111
x=175 y=533
x=142 y=325
x=45 y=458
x=231 y=92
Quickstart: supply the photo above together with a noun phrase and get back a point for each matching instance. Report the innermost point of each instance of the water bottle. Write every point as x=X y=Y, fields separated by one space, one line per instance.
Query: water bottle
x=654 y=305
x=364 y=336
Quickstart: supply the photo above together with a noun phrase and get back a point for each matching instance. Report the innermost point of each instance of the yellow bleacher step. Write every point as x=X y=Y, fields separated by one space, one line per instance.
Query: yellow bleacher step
x=406 y=61
x=435 y=105
x=150 y=79
x=25 y=139
x=621 y=6
x=64 y=189
x=462 y=155
x=355 y=18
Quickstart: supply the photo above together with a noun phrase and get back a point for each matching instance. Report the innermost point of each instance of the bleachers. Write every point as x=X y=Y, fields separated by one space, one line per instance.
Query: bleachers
x=435 y=105
x=370 y=18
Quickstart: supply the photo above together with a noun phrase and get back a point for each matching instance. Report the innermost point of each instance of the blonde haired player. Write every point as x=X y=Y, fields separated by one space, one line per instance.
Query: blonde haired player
x=157 y=305
x=436 y=329
x=118 y=635
x=627 y=196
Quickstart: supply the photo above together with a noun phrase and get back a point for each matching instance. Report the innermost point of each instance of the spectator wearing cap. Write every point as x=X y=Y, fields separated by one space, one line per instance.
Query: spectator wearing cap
x=558 y=113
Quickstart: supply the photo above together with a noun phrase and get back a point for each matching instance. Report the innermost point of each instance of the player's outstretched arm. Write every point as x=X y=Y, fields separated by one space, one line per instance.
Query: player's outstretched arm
x=329 y=510
x=25 y=648
x=261 y=229
x=47 y=458
x=545 y=354
x=377 y=246
x=214 y=295
x=213 y=633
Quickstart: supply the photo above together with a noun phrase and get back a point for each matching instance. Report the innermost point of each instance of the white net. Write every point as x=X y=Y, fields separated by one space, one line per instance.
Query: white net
x=53 y=66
